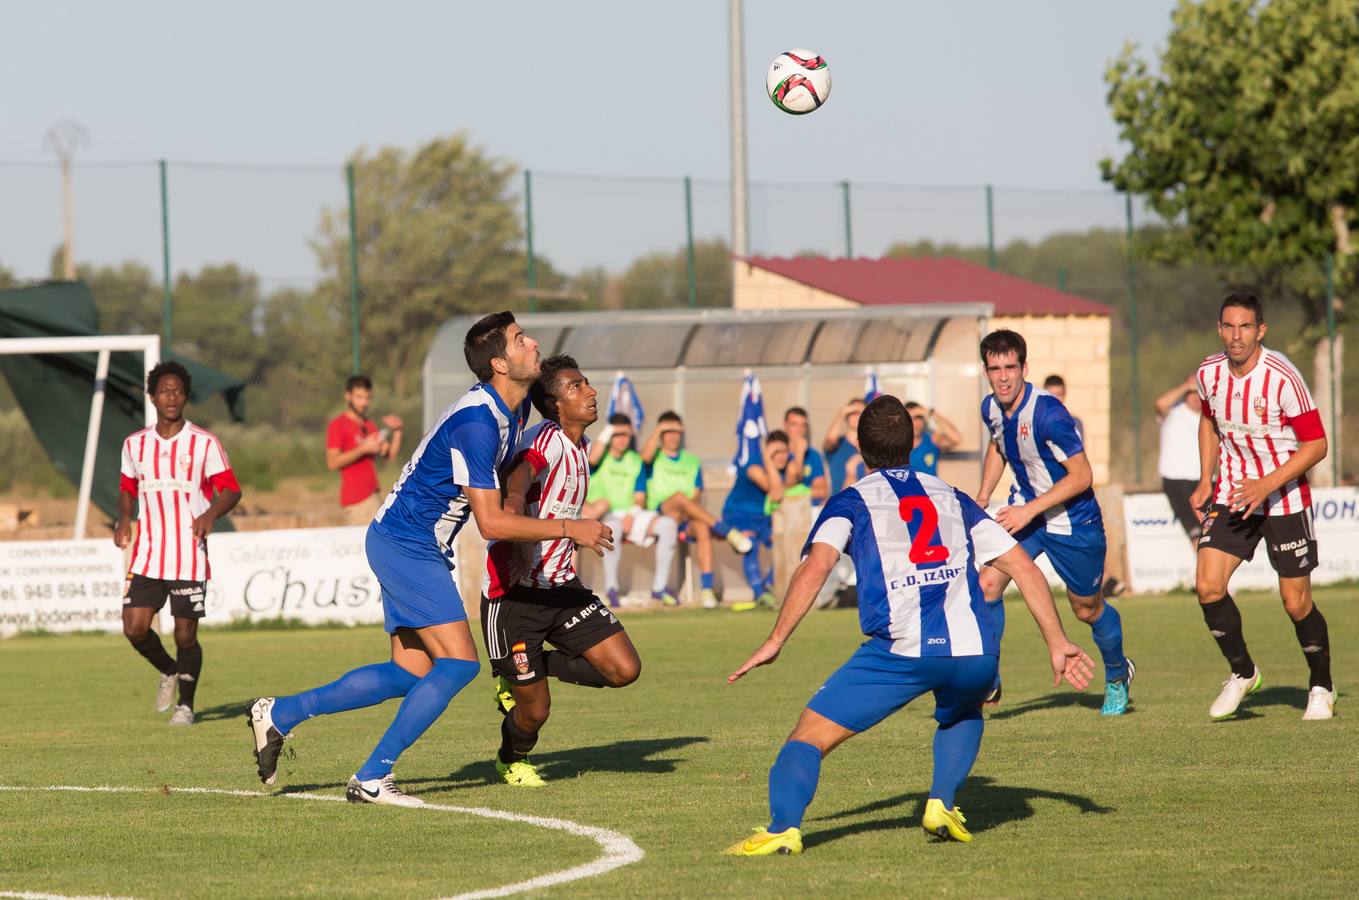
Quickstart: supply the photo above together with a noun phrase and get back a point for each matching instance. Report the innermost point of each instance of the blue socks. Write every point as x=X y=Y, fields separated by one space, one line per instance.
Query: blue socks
x=955 y=750
x=997 y=610
x=424 y=703
x=367 y=686
x=754 y=577
x=1108 y=633
x=706 y=580
x=792 y=784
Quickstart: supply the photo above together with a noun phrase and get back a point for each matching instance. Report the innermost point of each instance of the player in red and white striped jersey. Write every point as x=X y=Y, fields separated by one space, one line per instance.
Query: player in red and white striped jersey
x=1261 y=432
x=532 y=591
x=171 y=471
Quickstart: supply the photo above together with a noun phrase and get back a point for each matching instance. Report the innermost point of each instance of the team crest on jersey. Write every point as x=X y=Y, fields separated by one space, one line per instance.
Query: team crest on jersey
x=1023 y=431
x=185 y=461
x=520 y=658
x=1260 y=406
x=898 y=474
x=571 y=482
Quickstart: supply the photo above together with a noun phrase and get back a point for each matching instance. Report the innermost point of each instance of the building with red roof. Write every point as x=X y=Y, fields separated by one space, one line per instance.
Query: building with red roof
x=1067 y=335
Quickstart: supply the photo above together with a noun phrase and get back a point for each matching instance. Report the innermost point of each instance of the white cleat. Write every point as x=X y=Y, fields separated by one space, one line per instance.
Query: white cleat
x=268 y=739
x=1234 y=690
x=710 y=600
x=183 y=716
x=740 y=541
x=378 y=790
x=165 y=694
x=1320 y=704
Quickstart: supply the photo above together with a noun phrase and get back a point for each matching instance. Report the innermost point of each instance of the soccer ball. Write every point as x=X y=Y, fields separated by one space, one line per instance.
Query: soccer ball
x=798 y=81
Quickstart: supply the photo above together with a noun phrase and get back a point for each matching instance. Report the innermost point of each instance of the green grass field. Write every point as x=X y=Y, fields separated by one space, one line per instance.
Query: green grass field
x=1061 y=801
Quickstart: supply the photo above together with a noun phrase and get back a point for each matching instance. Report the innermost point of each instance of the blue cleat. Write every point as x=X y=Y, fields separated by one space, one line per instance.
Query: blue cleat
x=1116 y=693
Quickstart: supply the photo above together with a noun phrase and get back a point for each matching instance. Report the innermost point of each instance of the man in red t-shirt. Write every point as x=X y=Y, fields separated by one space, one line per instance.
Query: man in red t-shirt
x=352 y=441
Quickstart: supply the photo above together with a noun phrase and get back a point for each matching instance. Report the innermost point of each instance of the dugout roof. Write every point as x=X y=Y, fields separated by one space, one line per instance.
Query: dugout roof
x=721 y=338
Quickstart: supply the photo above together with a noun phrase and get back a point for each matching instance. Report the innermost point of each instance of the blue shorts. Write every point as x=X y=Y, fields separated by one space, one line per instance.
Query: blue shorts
x=418 y=588
x=874 y=683
x=760 y=528
x=1078 y=558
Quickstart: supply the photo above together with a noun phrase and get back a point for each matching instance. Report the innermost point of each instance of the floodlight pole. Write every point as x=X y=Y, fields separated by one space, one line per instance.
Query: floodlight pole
x=740 y=217
x=63 y=139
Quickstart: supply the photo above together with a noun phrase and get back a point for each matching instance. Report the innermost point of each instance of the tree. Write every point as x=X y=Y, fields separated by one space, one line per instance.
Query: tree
x=438 y=234
x=661 y=280
x=1247 y=134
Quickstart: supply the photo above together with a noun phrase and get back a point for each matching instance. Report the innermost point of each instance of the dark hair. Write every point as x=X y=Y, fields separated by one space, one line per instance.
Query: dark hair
x=1054 y=381
x=485 y=341
x=669 y=416
x=912 y=405
x=886 y=434
x=999 y=343
x=543 y=391
x=619 y=419
x=168 y=367
x=795 y=411
x=1243 y=300
x=776 y=435
x=357 y=381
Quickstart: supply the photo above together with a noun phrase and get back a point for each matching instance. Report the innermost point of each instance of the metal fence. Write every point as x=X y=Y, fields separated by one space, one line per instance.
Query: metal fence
x=178 y=216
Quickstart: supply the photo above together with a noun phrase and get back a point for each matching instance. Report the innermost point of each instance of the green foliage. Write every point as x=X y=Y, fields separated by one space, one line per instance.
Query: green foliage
x=661 y=280
x=439 y=234
x=26 y=463
x=1247 y=132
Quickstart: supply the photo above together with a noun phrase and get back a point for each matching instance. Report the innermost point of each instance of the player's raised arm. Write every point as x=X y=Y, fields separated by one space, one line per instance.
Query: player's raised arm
x=1068 y=661
x=1210 y=442
x=807 y=581
x=946 y=434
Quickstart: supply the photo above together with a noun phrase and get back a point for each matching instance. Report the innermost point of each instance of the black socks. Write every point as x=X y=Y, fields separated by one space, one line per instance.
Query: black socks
x=151 y=648
x=1316 y=647
x=573 y=669
x=515 y=743
x=1224 y=622
x=189 y=664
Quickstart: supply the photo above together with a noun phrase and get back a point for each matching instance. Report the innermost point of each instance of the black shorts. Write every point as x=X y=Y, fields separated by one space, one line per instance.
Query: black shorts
x=515 y=626
x=1291 y=539
x=1178 y=492
x=188 y=599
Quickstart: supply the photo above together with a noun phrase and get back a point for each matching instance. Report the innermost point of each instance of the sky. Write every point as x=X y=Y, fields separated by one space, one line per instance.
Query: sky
x=609 y=104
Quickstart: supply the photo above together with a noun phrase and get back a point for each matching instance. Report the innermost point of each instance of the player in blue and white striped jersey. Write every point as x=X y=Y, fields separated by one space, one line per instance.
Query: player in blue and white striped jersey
x=1052 y=508
x=454 y=475
x=916 y=543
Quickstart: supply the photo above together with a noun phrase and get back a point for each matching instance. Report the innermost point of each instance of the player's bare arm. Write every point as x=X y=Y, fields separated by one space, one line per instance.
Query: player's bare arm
x=772 y=487
x=122 y=532
x=653 y=440
x=993 y=466
x=1248 y=494
x=1077 y=479
x=498 y=524
x=1166 y=402
x=223 y=503
x=1209 y=444
x=1068 y=661
x=797 y=458
x=517 y=485
x=802 y=591
x=836 y=430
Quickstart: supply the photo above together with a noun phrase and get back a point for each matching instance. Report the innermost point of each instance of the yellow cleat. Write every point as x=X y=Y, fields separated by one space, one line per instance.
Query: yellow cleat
x=520 y=774
x=944 y=824
x=762 y=843
x=504 y=699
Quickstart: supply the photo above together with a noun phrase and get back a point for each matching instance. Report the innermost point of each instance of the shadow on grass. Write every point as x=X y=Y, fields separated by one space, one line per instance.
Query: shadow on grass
x=1290 y=696
x=230 y=710
x=1059 y=700
x=987 y=804
x=650 y=756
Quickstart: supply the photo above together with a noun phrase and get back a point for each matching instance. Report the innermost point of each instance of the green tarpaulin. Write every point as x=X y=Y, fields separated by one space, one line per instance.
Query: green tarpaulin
x=54 y=389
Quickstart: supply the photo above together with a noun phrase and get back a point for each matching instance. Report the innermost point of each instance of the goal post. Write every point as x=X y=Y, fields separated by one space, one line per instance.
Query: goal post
x=148 y=345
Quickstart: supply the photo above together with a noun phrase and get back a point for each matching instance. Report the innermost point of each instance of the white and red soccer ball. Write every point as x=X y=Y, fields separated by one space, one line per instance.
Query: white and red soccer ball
x=798 y=81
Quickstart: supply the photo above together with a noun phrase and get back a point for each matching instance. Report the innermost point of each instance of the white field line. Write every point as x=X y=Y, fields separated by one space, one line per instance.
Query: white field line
x=618 y=849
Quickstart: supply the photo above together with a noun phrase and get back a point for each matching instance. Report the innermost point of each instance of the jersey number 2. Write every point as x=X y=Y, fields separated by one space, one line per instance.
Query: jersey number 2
x=923 y=547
